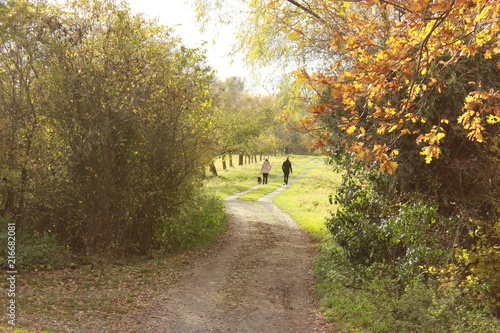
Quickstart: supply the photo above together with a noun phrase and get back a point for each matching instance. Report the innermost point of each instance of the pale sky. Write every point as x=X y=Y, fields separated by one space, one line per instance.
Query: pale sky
x=180 y=16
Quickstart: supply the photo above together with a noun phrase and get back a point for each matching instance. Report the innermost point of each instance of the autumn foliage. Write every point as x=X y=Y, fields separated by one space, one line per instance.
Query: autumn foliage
x=391 y=56
x=404 y=97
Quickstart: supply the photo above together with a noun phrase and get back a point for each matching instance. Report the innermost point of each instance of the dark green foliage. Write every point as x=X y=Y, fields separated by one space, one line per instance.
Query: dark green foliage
x=32 y=251
x=374 y=228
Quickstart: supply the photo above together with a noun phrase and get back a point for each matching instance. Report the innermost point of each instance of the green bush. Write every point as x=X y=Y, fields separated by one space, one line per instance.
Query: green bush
x=197 y=222
x=380 y=303
x=373 y=228
x=33 y=251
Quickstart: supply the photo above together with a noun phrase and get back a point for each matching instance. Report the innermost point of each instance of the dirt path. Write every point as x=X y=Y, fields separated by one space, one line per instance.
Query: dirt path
x=259 y=278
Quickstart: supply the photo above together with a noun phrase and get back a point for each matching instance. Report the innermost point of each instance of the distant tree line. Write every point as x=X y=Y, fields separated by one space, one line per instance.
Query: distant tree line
x=249 y=125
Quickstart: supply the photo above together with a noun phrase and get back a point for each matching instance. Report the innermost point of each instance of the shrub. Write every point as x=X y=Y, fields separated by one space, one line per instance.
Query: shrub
x=373 y=228
x=40 y=251
x=378 y=302
x=196 y=222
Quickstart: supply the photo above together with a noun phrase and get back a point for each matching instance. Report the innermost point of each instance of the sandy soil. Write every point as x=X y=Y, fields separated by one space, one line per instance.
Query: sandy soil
x=258 y=278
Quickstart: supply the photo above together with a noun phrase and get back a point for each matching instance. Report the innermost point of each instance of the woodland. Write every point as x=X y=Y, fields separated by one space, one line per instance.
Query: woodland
x=108 y=124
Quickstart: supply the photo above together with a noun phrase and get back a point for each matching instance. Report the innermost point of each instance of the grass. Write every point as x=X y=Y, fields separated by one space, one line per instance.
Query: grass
x=307 y=201
x=276 y=183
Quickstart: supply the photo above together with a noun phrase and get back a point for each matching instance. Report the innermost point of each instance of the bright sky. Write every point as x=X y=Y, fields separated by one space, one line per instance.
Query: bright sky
x=180 y=16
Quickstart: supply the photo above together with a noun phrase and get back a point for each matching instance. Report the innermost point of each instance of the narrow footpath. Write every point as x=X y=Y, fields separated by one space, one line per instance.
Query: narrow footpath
x=258 y=278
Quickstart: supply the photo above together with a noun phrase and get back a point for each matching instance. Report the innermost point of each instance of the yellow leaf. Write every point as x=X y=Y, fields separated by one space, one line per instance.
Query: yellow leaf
x=389 y=166
x=483 y=13
x=294 y=36
x=493 y=119
x=381 y=129
x=351 y=129
x=393 y=128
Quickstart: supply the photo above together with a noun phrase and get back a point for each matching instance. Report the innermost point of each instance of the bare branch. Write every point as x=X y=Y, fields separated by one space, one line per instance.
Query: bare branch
x=307 y=10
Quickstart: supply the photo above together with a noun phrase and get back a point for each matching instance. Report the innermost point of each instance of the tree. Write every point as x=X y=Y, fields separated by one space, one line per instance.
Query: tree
x=243 y=118
x=120 y=114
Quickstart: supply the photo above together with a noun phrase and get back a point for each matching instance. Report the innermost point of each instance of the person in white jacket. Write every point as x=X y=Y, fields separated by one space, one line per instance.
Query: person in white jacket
x=264 y=170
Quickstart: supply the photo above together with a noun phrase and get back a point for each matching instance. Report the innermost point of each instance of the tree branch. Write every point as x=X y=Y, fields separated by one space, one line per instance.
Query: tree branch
x=307 y=10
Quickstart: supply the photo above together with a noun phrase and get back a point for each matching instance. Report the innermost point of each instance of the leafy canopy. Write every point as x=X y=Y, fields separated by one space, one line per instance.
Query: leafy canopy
x=376 y=60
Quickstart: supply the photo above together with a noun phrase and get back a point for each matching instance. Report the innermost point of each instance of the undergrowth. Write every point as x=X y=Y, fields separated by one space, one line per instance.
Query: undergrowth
x=199 y=222
x=377 y=301
x=32 y=251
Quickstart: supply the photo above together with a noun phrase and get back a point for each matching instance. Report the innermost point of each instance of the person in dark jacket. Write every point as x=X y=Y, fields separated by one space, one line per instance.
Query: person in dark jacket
x=287 y=169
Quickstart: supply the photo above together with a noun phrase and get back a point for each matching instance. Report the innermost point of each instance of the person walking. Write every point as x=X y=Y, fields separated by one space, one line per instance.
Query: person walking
x=264 y=170
x=287 y=169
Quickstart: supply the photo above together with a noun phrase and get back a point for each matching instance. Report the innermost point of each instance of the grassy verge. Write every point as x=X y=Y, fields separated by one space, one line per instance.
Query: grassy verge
x=307 y=200
x=378 y=303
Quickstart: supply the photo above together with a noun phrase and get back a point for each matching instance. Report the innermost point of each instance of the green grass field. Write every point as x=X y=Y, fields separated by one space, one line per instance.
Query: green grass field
x=242 y=177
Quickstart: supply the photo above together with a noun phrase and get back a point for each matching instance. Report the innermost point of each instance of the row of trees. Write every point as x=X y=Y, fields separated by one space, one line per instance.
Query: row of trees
x=249 y=124
x=404 y=96
x=105 y=123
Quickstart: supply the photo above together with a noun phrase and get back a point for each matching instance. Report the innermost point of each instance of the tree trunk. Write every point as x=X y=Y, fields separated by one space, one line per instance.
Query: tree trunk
x=240 y=159
x=8 y=198
x=231 y=162
x=224 y=166
x=213 y=169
